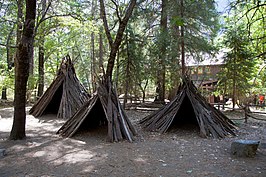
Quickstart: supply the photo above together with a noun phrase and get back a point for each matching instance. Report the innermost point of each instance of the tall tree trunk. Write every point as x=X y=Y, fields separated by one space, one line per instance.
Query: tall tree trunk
x=117 y=67
x=41 y=55
x=8 y=55
x=114 y=45
x=41 y=70
x=127 y=73
x=101 y=68
x=4 y=93
x=19 y=21
x=93 y=63
x=24 y=53
x=143 y=90
x=93 y=60
x=161 y=70
x=174 y=86
x=234 y=83
x=182 y=39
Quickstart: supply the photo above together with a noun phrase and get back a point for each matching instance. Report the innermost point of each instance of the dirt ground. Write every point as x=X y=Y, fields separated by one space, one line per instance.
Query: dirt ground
x=177 y=153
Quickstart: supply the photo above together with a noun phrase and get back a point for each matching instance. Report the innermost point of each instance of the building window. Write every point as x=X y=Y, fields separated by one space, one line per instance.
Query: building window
x=208 y=69
x=193 y=70
x=200 y=70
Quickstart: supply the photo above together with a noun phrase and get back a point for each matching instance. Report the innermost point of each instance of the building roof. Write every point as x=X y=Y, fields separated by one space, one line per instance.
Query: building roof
x=206 y=59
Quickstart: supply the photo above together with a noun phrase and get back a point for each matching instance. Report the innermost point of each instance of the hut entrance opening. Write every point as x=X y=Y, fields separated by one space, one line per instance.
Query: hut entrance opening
x=54 y=104
x=185 y=119
x=95 y=121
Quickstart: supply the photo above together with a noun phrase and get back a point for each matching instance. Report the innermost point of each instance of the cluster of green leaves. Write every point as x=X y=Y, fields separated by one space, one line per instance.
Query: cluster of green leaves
x=133 y=62
x=68 y=26
x=200 y=23
x=239 y=68
x=7 y=42
x=244 y=37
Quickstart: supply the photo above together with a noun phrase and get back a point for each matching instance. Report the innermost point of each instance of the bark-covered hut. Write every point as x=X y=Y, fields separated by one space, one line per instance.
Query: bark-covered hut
x=189 y=107
x=102 y=110
x=64 y=96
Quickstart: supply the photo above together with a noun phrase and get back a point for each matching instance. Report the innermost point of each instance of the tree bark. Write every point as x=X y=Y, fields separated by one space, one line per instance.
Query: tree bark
x=93 y=63
x=101 y=68
x=161 y=68
x=182 y=40
x=143 y=90
x=118 y=39
x=8 y=55
x=117 y=67
x=41 y=70
x=93 y=60
x=127 y=72
x=234 y=83
x=19 y=20
x=4 y=93
x=24 y=53
x=41 y=56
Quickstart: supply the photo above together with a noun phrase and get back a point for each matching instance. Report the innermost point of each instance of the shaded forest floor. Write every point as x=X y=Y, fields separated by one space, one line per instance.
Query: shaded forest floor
x=178 y=153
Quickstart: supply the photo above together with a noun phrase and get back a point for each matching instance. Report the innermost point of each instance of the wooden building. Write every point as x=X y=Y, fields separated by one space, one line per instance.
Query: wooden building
x=204 y=73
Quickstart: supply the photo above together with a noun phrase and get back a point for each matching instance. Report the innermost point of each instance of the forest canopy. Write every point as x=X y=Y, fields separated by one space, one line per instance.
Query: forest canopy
x=157 y=37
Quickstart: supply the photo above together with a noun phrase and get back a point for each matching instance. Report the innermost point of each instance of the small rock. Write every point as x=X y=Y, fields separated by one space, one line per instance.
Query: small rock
x=189 y=171
x=2 y=152
x=244 y=148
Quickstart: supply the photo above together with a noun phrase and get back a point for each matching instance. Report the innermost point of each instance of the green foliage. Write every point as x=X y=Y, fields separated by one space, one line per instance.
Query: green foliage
x=67 y=32
x=240 y=67
x=32 y=80
x=245 y=38
x=69 y=25
x=7 y=41
x=7 y=78
x=132 y=58
x=200 y=22
x=177 y=21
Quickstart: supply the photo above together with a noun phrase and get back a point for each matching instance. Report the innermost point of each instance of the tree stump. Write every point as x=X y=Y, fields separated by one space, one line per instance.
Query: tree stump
x=244 y=148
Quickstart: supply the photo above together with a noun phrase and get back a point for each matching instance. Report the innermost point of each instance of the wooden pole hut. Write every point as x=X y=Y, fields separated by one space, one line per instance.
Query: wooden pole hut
x=190 y=107
x=103 y=109
x=64 y=96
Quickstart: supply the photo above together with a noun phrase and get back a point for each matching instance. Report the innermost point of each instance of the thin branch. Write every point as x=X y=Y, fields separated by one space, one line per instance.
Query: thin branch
x=114 y=25
x=261 y=54
x=254 y=7
x=5 y=45
x=10 y=21
x=117 y=10
x=106 y=28
x=52 y=16
x=258 y=38
x=43 y=17
x=141 y=1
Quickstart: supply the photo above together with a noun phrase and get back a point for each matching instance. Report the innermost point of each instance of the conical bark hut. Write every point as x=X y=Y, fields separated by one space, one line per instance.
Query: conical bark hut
x=190 y=106
x=64 y=96
x=103 y=109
